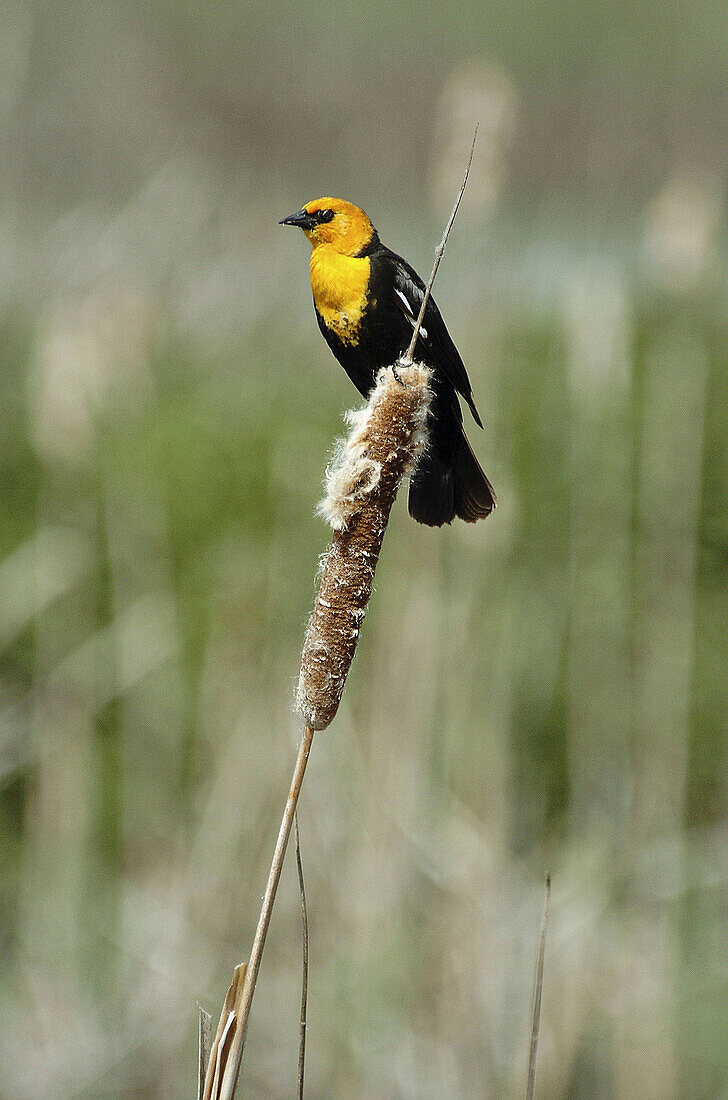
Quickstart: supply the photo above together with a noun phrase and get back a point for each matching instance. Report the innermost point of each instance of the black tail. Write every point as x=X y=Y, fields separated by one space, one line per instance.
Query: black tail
x=448 y=481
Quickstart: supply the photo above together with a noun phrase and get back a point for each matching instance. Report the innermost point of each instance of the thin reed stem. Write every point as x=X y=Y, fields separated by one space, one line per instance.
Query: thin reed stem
x=232 y=1069
x=536 y=1016
x=407 y=357
x=304 y=976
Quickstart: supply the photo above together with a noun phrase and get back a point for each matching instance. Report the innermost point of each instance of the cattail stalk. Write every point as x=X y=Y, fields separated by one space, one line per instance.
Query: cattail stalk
x=386 y=440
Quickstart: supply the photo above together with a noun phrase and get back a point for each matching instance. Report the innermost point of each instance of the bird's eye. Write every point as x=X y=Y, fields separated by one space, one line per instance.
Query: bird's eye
x=325 y=215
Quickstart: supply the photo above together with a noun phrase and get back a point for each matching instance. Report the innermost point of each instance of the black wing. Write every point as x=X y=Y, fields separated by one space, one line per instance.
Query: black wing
x=409 y=290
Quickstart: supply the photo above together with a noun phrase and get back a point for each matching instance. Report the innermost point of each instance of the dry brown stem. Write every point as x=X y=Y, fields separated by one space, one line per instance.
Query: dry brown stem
x=407 y=357
x=220 y=1051
x=304 y=979
x=227 y=1050
x=538 y=989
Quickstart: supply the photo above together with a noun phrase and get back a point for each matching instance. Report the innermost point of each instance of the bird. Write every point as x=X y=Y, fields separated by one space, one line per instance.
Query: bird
x=367 y=300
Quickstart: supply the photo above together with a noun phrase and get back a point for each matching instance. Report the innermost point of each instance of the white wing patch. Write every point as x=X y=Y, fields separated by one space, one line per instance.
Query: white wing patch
x=403 y=298
x=410 y=316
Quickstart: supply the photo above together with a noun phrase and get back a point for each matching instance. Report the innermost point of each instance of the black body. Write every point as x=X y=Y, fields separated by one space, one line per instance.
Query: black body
x=448 y=481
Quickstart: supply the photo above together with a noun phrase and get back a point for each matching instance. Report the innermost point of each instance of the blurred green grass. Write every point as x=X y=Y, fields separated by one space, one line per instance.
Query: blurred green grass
x=547 y=689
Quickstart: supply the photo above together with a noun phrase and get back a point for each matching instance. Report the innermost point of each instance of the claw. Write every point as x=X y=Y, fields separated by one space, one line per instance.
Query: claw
x=395 y=372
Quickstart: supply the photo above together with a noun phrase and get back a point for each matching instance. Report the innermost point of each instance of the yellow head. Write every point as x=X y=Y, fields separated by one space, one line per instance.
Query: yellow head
x=335 y=223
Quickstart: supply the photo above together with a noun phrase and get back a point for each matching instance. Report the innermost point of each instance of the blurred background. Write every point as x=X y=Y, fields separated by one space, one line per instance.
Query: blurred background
x=545 y=690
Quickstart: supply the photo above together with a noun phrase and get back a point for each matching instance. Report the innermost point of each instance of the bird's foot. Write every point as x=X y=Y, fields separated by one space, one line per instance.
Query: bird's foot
x=396 y=374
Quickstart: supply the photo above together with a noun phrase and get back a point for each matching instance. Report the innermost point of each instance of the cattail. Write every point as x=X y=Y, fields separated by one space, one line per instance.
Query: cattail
x=386 y=440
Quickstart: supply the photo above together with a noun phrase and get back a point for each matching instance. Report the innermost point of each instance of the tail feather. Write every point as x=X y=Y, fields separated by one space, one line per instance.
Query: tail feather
x=443 y=488
x=474 y=495
x=432 y=492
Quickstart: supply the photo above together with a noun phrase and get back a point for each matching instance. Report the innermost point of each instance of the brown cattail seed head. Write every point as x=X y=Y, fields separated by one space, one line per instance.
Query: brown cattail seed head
x=386 y=440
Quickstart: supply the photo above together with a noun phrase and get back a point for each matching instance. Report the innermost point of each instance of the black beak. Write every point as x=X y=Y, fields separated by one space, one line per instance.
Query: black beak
x=301 y=219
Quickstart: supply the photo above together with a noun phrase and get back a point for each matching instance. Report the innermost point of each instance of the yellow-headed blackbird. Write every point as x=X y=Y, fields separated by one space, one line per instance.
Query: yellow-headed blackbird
x=367 y=300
